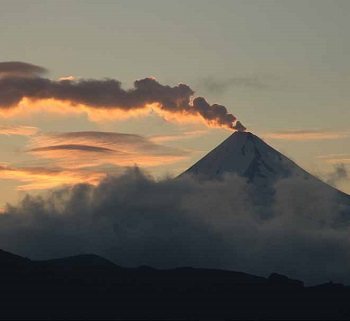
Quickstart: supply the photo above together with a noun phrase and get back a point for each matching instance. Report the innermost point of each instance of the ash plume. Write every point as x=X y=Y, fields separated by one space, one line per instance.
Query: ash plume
x=15 y=85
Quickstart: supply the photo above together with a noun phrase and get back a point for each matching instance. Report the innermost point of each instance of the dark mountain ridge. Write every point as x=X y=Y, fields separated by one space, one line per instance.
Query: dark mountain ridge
x=90 y=287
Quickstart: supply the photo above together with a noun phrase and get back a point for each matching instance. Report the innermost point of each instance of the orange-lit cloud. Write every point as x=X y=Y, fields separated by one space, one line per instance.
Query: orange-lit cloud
x=45 y=178
x=69 y=78
x=343 y=158
x=18 y=130
x=96 y=148
x=77 y=157
x=306 y=135
x=27 y=107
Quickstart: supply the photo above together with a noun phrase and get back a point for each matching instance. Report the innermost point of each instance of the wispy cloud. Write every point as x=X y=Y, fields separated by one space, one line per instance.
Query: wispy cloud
x=33 y=178
x=342 y=158
x=175 y=137
x=220 y=86
x=98 y=148
x=306 y=135
x=72 y=147
x=18 y=130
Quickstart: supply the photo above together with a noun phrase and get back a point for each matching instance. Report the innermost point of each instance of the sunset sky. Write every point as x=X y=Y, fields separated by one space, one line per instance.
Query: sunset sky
x=280 y=67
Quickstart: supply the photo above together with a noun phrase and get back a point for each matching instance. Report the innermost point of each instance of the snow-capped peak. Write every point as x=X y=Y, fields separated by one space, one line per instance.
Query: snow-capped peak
x=246 y=155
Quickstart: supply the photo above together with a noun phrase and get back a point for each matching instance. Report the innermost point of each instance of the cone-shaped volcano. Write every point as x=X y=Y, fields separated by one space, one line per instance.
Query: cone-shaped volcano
x=245 y=154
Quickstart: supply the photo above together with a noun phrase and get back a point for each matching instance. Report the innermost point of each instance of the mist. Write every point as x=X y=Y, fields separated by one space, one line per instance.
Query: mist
x=134 y=220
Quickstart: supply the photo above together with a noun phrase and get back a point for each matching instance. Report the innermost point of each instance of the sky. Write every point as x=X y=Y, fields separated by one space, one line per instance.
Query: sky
x=280 y=67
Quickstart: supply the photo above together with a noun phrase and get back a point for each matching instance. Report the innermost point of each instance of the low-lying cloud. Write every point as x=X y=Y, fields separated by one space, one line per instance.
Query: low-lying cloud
x=108 y=94
x=134 y=220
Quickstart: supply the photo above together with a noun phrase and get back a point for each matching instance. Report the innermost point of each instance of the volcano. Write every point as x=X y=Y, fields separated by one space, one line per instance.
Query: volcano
x=246 y=155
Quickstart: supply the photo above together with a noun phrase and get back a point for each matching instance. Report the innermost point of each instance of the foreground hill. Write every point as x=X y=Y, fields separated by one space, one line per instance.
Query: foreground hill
x=90 y=287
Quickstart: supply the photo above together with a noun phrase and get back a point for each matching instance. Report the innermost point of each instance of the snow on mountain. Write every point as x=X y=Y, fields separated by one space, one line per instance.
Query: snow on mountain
x=247 y=155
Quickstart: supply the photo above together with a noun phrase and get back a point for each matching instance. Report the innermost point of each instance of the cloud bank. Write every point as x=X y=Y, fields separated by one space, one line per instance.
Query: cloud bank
x=134 y=220
x=108 y=94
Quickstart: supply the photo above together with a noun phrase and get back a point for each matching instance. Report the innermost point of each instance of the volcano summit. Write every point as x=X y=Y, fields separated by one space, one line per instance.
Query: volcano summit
x=245 y=154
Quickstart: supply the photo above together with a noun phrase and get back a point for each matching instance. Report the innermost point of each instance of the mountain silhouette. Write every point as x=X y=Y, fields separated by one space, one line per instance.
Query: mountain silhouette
x=90 y=287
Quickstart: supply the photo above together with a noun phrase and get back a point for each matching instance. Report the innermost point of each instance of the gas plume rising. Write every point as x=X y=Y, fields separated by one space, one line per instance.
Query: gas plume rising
x=20 y=81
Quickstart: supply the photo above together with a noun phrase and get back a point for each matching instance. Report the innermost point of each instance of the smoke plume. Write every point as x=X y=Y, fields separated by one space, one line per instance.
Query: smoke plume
x=15 y=85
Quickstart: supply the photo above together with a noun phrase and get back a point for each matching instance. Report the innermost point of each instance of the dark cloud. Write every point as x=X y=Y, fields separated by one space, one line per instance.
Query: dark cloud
x=20 y=69
x=340 y=173
x=108 y=94
x=134 y=220
x=85 y=148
